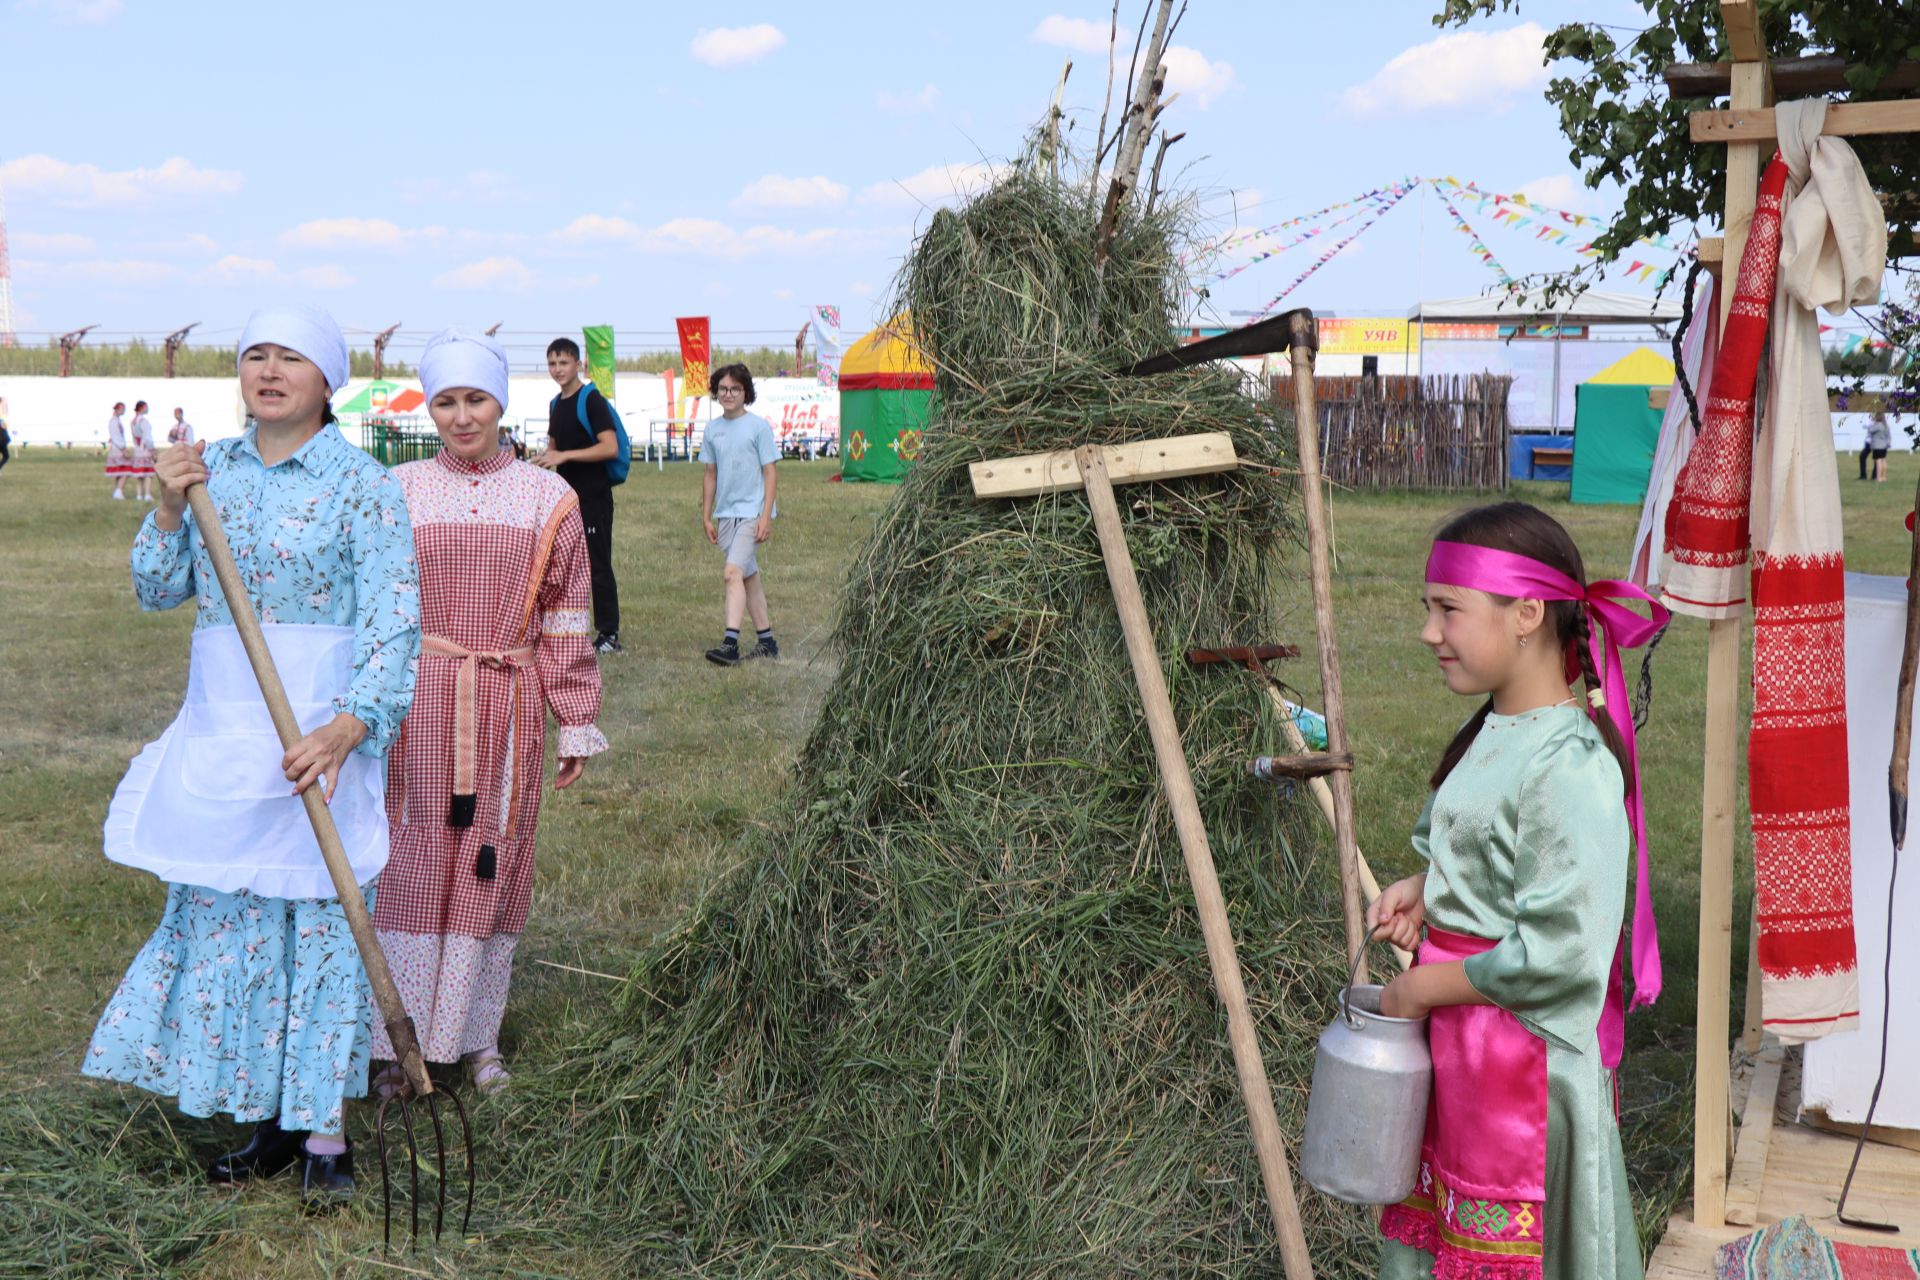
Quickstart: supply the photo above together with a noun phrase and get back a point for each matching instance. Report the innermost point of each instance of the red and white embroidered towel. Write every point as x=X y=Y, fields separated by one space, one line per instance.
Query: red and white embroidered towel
x=1833 y=247
x=1702 y=569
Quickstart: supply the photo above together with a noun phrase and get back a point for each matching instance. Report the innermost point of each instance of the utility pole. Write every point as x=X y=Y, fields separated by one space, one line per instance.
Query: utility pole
x=68 y=341
x=176 y=340
x=800 y=350
x=380 y=349
x=495 y=329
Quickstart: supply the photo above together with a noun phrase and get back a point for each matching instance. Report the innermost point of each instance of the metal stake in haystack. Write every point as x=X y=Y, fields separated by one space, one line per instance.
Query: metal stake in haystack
x=406 y=1042
x=1096 y=468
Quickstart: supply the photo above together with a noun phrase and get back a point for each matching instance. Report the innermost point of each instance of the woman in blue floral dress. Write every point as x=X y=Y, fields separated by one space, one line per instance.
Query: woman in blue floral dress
x=250 y=999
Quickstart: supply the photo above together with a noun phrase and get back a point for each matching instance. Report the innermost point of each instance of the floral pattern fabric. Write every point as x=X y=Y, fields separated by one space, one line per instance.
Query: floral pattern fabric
x=321 y=538
x=244 y=1006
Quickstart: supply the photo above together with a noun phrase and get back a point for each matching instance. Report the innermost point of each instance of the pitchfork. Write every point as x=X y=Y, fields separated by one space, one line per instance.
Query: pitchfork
x=406 y=1042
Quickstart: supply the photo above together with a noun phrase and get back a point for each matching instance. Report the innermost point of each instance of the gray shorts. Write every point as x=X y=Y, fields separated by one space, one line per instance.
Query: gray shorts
x=736 y=540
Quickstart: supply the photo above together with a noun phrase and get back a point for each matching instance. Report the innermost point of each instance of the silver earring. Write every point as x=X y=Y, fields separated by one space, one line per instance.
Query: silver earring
x=1523 y=642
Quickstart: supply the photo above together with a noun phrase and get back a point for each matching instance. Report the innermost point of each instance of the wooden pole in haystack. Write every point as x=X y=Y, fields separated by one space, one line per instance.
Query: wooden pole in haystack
x=1136 y=126
x=1304 y=339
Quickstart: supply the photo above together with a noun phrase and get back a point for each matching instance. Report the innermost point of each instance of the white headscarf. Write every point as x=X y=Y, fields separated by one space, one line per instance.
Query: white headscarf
x=456 y=359
x=308 y=330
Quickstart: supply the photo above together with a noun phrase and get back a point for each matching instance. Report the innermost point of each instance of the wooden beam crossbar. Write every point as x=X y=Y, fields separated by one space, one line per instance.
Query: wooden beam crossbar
x=1844 y=120
x=1792 y=77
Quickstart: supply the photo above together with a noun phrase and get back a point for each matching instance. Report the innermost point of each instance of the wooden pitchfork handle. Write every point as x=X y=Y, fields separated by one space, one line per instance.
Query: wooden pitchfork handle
x=406 y=1042
x=1903 y=703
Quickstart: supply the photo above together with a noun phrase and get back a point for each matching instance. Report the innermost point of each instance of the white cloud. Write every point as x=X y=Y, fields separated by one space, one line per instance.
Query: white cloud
x=509 y=274
x=776 y=191
x=87 y=186
x=58 y=242
x=91 y=13
x=357 y=233
x=324 y=277
x=1190 y=73
x=1196 y=79
x=932 y=185
x=234 y=269
x=1079 y=34
x=860 y=289
x=111 y=273
x=481 y=186
x=702 y=236
x=1461 y=69
x=1563 y=191
x=926 y=99
x=737 y=46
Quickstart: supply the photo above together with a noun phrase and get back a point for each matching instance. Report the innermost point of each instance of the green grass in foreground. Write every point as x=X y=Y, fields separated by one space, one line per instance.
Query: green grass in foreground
x=699 y=757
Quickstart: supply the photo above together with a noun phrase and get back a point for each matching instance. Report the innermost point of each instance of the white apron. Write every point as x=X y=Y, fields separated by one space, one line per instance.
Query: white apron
x=208 y=804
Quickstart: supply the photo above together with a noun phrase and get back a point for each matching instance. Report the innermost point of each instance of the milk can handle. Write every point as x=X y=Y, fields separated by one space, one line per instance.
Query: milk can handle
x=1346 y=993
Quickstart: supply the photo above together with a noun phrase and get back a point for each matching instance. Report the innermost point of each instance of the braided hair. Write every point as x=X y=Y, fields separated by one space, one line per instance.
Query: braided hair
x=1526 y=530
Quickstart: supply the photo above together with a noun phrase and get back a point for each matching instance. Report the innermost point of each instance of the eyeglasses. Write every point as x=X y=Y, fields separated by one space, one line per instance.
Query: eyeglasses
x=726 y=390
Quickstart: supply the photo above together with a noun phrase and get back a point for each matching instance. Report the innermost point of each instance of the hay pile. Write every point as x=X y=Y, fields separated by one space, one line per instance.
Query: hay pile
x=954 y=1018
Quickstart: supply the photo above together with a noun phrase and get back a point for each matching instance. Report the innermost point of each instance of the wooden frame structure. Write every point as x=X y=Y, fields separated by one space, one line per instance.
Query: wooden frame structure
x=1776 y=1170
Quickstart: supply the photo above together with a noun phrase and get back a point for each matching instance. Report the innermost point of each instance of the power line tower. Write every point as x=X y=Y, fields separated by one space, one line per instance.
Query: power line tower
x=6 y=280
x=68 y=341
x=380 y=350
x=495 y=329
x=176 y=340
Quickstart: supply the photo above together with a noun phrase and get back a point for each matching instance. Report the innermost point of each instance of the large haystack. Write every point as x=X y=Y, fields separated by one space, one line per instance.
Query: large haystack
x=954 y=1018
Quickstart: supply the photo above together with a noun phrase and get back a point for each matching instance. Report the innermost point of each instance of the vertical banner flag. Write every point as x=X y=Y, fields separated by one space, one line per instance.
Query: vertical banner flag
x=826 y=342
x=600 y=358
x=696 y=356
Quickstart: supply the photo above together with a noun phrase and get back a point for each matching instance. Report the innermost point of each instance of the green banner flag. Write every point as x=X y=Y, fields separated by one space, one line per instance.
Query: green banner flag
x=600 y=357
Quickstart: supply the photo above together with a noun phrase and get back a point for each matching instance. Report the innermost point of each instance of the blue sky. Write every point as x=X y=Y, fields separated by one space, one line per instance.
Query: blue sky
x=549 y=166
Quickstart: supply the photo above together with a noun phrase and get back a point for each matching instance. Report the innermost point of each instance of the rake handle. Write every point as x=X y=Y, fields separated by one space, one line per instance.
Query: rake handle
x=1177 y=780
x=393 y=1011
x=1903 y=704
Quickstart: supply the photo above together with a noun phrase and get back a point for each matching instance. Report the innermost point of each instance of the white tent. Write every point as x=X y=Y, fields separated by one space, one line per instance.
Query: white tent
x=1595 y=306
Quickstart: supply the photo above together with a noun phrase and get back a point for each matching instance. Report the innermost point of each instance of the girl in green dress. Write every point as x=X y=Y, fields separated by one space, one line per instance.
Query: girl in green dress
x=1527 y=835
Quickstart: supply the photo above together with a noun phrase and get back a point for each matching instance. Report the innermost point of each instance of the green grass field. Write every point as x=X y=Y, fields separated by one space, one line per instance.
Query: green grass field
x=700 y=756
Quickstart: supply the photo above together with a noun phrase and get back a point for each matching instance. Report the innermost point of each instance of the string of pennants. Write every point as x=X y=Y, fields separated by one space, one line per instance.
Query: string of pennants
x=1516 y=212
x=1330 y=255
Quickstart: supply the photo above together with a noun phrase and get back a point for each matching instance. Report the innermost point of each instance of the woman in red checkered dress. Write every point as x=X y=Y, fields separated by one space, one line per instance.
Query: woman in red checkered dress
x=504 y=603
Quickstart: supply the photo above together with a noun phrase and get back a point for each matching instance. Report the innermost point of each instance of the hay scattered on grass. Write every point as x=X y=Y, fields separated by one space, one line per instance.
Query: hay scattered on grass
x=955 y=1018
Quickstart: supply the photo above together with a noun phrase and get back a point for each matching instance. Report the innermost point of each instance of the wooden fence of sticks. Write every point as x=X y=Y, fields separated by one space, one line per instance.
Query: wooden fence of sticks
x=1446 y=431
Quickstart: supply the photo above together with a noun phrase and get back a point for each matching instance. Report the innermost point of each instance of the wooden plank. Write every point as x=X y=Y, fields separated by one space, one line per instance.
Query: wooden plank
x=1844 y=120
x=1657 y=397
x=1815 y=1118
x=1545 y=457
x=1792 y=77
x=1164 y=459
x=1741 y=21
x=1753 y=1029
x=1756 y=1137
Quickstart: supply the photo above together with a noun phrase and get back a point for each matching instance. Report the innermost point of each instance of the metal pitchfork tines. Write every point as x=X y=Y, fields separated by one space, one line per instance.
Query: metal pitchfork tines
x=406 y=1042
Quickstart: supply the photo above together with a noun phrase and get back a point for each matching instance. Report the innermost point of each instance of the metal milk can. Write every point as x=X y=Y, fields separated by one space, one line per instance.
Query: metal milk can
x=1367 y=1111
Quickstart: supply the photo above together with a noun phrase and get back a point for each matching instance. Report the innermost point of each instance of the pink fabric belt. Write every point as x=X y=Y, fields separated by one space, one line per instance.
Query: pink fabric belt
x=466 y=718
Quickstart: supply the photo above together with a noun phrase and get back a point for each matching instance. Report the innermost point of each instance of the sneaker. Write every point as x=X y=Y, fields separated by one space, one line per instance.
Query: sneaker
x=119 y=496
x=725 y=654
x=768 y=648
x=607 y=642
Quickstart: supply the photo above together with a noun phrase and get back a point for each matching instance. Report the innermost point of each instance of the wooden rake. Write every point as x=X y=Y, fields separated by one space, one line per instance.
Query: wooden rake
x=1096 y=468
x=393 y=1012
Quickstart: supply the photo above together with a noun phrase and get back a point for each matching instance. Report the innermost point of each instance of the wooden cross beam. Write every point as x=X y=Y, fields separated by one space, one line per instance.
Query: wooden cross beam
x=1844 y=120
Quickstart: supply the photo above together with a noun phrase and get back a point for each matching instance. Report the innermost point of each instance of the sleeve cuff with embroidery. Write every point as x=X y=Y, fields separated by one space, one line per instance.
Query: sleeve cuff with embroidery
x=577 y=740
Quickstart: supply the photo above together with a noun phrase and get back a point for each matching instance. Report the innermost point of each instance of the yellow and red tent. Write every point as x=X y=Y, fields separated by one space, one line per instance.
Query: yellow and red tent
x=886 y=395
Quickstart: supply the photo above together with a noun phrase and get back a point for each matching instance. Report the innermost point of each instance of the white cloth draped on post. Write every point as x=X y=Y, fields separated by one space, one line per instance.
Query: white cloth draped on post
x=1677 y=430
x=208 y=803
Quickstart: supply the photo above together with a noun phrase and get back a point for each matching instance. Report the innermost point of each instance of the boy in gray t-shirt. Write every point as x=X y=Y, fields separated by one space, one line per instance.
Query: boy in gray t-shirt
x=737 y=508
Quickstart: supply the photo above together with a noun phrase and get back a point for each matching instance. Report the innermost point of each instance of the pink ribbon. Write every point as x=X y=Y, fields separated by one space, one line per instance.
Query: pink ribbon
x=1505 y=573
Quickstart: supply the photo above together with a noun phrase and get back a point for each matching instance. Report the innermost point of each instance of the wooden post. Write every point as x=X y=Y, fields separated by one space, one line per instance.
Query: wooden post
x=1307 y=431
x=1177 y=780
x=1750 y=91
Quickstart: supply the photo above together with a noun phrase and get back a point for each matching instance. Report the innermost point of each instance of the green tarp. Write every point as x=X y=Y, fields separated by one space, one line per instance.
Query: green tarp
x=1614 y=434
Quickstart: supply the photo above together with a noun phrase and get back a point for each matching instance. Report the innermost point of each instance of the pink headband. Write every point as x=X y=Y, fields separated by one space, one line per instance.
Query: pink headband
x=1458 y=564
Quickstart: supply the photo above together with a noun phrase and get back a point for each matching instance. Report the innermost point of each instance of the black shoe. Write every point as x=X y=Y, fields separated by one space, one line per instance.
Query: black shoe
x=727 y=654
x=326 y=1182
x=267 y=1152
x=767 y=648
x=607 y=642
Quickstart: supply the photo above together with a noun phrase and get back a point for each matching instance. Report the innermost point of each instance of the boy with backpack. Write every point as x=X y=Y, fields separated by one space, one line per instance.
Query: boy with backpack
x=586 y=445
